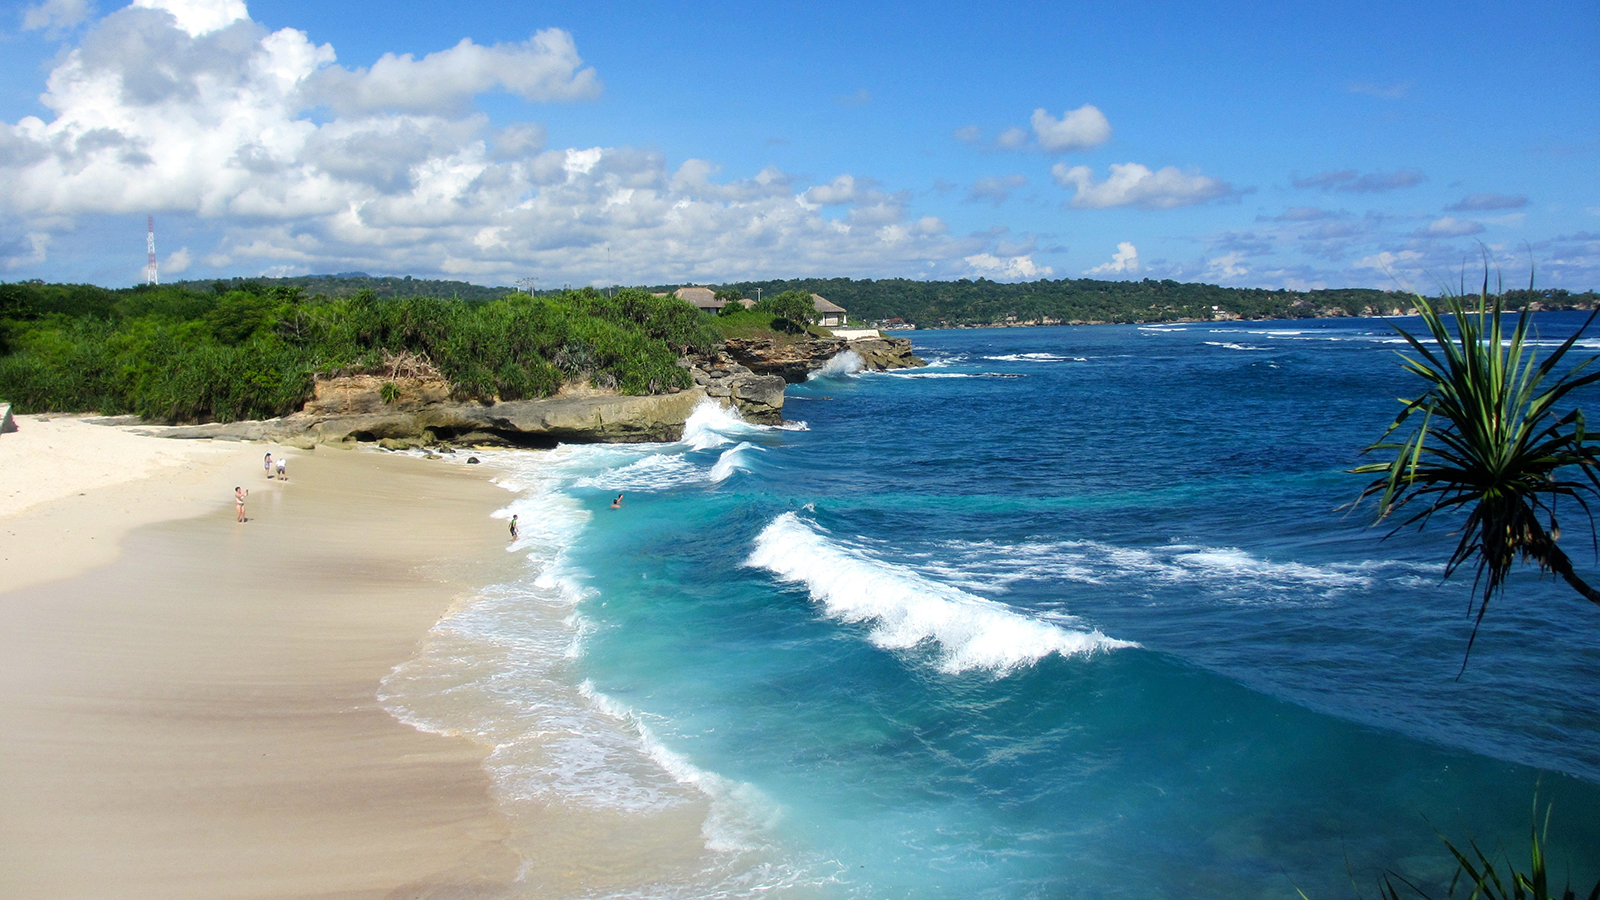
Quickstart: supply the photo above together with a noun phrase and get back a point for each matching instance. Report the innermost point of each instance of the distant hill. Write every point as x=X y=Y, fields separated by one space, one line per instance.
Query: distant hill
x=346 y=284
x=1081 y=300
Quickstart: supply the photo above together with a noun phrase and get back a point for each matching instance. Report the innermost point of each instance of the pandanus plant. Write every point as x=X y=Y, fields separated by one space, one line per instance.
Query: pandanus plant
x=1494 y=436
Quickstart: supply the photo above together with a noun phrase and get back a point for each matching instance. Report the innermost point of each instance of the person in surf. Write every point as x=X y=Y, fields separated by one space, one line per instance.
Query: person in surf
x=617 y=503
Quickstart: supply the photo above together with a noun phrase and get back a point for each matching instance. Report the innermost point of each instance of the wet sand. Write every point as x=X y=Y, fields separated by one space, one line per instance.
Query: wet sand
x=196 y=716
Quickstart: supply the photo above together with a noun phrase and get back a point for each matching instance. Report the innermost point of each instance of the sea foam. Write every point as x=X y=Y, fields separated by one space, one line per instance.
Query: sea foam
x=840 y=365
x=907 y=609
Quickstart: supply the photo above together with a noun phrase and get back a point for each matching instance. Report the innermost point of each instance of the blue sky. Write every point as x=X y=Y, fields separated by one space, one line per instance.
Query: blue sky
x=1275 y=145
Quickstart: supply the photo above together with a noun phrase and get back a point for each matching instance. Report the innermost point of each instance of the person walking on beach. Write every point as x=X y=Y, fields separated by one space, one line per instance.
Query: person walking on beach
x=617 y=503
x=283 y=468
x=239 y=494
x=267 y=464
x=513 y=528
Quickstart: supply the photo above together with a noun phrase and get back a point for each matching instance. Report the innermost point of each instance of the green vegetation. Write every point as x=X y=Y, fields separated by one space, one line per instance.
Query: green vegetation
x=1491 y=442
x=1478 y=873
x=931 y=304
x=179 y=354
x=1482 y=877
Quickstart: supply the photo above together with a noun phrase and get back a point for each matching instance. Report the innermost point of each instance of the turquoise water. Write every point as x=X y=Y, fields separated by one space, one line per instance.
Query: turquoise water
x=1071 y=613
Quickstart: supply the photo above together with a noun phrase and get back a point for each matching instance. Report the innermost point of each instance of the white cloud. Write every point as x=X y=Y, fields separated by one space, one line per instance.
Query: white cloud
x=1123 y=262
x=199 y=17
x=153 y=112
x=544 y=68
x=55 y=15
x=1387 y=262
x=1080 y=129
x=1226 y=267
x=177 y=262
x=1012 y=139
x=1448 y=227
x=1131 y=184
x=837 y=192
x=968 y=134
x=1007 y=267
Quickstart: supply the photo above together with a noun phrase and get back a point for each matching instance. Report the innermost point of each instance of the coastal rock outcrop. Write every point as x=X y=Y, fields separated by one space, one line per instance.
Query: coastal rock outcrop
x=794 y=361
x=399 y=411
x=759 y=398
x=355 y=411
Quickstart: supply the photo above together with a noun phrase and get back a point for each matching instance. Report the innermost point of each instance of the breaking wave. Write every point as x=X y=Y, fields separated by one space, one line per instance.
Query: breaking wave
x=908 y=609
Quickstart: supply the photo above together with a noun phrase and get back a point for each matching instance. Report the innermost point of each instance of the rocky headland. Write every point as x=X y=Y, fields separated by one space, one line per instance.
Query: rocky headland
x=795 y=361
x=406 y=412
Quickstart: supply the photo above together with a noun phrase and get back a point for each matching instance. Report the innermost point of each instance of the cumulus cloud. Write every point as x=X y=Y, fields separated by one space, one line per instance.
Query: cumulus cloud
x=989 y=265
x=1131 y=184
x=1228 y=267
x=1012 y=139
x=1484 y=202
x=1079 y=129
x=188 y=108
x=199 y=17
x=995 y=189
x=544 y=68
x=835 y=193
x=177 y=262
x=1350 y=181
x=1083 y=128
x=55 y=15
x=1123 y=262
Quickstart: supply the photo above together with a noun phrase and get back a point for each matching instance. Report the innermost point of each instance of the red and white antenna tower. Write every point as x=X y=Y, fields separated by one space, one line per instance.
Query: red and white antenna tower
x=150 y=247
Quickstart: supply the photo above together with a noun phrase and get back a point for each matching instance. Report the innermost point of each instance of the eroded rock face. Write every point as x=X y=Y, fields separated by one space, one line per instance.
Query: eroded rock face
x=759 y=398
x=606 y=418
x=364 y=395
x=793 y=362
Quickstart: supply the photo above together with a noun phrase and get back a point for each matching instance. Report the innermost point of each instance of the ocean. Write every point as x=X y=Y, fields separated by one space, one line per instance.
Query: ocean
x=1071 y=612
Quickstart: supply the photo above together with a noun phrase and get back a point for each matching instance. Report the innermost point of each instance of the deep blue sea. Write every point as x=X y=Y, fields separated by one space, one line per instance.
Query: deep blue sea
x=1071 y=612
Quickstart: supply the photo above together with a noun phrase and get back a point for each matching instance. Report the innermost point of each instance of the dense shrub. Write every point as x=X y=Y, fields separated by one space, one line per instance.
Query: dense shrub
x=245 y=351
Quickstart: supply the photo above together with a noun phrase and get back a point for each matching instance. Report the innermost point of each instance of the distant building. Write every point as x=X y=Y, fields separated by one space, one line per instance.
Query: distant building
x=703 y=298
x=829 y=314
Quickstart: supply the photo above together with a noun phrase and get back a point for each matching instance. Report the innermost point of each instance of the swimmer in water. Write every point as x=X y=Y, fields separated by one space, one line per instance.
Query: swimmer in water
x=617 y=503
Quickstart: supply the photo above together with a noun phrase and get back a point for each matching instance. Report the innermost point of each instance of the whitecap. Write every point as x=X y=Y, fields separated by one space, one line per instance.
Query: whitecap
x=907 y=609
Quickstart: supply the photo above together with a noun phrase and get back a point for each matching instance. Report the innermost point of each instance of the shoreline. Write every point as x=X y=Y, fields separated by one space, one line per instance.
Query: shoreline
x=191 y=704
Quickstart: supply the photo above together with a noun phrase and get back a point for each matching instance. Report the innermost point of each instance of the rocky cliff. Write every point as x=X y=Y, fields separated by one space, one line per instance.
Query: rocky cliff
x=794 y=361
x=749 y=376
x=408 y=412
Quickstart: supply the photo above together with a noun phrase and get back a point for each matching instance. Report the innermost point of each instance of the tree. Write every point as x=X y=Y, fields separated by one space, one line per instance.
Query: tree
x=1492 y=441
x=793 y=307
x=729 y=294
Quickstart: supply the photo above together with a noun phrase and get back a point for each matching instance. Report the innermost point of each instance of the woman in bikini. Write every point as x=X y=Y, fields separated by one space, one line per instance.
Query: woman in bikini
x=239 y=494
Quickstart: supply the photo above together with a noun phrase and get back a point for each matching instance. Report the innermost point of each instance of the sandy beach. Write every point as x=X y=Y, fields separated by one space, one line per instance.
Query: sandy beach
x=189 y=704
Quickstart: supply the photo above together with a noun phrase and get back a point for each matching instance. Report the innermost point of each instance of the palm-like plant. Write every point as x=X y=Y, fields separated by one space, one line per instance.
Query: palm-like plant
x=1493 y=441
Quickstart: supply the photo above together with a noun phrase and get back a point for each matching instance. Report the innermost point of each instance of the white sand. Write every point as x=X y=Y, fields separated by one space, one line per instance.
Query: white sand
x=70 y=489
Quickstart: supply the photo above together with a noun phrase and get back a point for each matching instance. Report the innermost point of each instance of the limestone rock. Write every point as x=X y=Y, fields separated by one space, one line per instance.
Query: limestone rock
x=608 y=418
x=794 y=361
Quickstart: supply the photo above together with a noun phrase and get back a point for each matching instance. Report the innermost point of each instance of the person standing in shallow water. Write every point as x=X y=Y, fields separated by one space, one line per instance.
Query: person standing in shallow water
x=513 y=528
x=239 y=494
